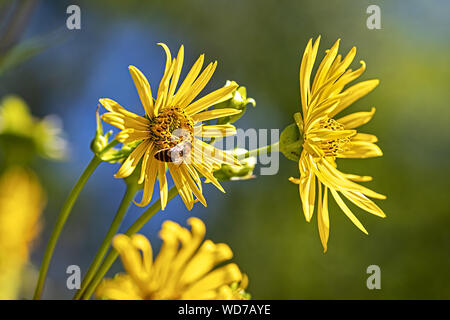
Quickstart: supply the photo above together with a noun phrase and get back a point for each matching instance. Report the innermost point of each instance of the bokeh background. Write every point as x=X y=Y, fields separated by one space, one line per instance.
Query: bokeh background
x=259 y=44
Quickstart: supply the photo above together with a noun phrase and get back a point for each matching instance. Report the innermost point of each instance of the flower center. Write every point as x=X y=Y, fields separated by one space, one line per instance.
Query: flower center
x=171 y=127
x=331 y=147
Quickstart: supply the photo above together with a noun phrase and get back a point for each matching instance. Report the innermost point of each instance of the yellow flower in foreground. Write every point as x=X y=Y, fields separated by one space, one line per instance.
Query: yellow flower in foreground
x=184 y=268
x=169 y=113
x=21 y=204
x=326 y=138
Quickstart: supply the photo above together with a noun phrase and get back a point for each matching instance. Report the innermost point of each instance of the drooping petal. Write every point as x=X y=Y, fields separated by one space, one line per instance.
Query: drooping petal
x=323 y=221
x=347 y=211
x=149 y=182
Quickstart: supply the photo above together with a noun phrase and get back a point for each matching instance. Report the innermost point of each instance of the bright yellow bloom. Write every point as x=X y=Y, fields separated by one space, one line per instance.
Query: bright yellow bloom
x=21 y=204
x=184 y=268
x=326 y=138
x=170 y=112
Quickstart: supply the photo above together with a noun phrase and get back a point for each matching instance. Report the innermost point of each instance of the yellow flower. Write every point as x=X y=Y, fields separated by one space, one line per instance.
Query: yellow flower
x=21 y=204
x=184 y=268
x=326 y=138
x=169 y=113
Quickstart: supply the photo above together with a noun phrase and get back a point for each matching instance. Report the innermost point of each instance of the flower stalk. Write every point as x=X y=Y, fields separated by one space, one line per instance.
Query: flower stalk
x=64 y=214
x=113 y=254
x=121 y=211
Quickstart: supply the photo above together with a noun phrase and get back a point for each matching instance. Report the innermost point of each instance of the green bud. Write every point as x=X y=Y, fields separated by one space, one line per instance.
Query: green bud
x=100 y=141
x=238 y=101
x=291 y=139
x=243 y=172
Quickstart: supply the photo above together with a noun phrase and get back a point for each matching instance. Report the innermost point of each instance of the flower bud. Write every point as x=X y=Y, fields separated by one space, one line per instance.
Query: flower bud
x=100 y=141
x=238 y=101
x=229 y=172
x=291 y=139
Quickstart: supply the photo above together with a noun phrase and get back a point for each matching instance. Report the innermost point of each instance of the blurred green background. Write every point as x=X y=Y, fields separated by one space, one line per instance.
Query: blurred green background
x=259 y=44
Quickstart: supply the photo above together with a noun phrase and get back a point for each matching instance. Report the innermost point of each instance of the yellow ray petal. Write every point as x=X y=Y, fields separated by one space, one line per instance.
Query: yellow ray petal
x=122 y=122
x=143 y=88
x=309 y=56
x=131 y=135
x=217 y=131
x=132 y=161
x=190 y=78
x=182 y=186
x=208 y=175
x=114 y=107
x=148 y=153
x=324 y=67
x=176 y=74
x=307 y=188
x=361 y=150
x=225 y=275
x=210 y=99
x=198 y=85
x=192 y=185
x=149 y=182
x=214 y=114
x=162 y=184
x=347 y=211
x=364 y=203
x=354 y=93
x=323 y=221
x=356 y=119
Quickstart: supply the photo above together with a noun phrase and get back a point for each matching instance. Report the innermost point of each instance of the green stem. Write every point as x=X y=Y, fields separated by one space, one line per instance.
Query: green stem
x=112 y=255
x=62 y=218
x=256 y=152
x=124 y=204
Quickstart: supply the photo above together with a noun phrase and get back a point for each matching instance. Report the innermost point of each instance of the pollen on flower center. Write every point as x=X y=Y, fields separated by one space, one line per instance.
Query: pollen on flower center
x=331 y=147
x=170 y=127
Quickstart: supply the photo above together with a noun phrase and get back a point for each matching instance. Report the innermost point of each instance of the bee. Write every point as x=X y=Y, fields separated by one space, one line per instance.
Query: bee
x=176 y=154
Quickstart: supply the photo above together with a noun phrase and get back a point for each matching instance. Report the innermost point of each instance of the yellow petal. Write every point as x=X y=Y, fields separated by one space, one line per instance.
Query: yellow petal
x=190 y=78
x=354 y=93
x=307 y=188
x=323 y=221
x=225 y=275
x=198 y=84
x=132 y=161
x=143 y=88
x=207 y=257
x=149 y=182
x=347 y=211
x=210 y=99
x=162 y=184
x=309 y=56
x=356 y=119
x=324 y=67
x=176 y=74
x=214 y=114
x=182 y=185
x=131 y=135
x=364 y=203
x=218 y=131
x=361 y=150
